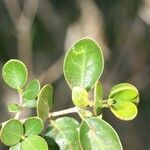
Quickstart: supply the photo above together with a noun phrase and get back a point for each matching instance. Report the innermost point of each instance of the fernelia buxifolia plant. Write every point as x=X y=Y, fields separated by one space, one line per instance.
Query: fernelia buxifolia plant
x=82 y=68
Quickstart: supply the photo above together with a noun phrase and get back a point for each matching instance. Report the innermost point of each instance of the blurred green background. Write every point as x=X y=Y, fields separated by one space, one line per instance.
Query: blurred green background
x=39 y=32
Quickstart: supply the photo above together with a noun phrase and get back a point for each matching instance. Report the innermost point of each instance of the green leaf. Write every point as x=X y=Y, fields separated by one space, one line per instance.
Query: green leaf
x=123 y=99
x=30 y=103
x=34 y=142
x=80 y=97
x=127 y=112
x=65 y=132
x=124 y=92
x=16 y=147
x=14 y=108
x=12 y=132
x=83 y=64
x=45 y=101
x=32 y=90
x=33 y=126
x=96 y=134
x=98 y=96
x=15 y=73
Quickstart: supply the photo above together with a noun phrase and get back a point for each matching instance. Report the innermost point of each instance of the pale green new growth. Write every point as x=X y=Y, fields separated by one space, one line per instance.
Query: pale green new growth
x=14 y=108
x=127 y=112
x=124 y=98
x=80 y=97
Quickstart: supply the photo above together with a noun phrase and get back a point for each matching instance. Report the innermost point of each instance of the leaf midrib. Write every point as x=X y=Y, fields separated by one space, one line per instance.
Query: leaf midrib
x=31 y=128
x=83 y=70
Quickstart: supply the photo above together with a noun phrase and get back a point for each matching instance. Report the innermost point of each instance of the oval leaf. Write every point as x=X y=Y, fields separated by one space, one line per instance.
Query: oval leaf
x=83 y=64
x=124 y=92
x=15 y=73
x=45 y=101
x=95 y=134
x=14 y=108
x=12 y=132
x=33 y=126
x=127 y=112
x=34 y=142
x=65 y=132
x=80 y=97
x=123 y=99
x=32 y=90
x=98 y=96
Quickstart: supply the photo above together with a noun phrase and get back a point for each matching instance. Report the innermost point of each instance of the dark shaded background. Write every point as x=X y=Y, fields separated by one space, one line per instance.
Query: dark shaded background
x=39 y=32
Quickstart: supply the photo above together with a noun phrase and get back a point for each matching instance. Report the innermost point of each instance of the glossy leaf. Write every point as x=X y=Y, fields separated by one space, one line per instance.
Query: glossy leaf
x=34 y=142
x=124 y=92
x=127 y=112
x=32 y=89
x=45 y=101
x=33 y=126
x=98 y=96
x=80 y=97
x=15 y=73
x=123 y=99
x=12 y=132
x=65 y=132
x=83 y=64
x=14 y=108
x=96 y=134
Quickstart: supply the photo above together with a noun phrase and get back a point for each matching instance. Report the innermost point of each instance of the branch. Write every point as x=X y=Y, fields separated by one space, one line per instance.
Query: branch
x=24 y=27
x=30 y=9
x=144 y=11
x=13 y=10
x=21 y=104
x=64 y=112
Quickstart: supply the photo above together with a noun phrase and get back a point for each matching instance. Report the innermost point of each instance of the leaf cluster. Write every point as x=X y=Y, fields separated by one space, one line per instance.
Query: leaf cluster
x=83 y=67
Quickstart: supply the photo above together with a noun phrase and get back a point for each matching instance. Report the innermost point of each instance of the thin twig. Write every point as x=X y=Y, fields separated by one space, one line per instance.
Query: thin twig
x=64 y=112
x=20 y=104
